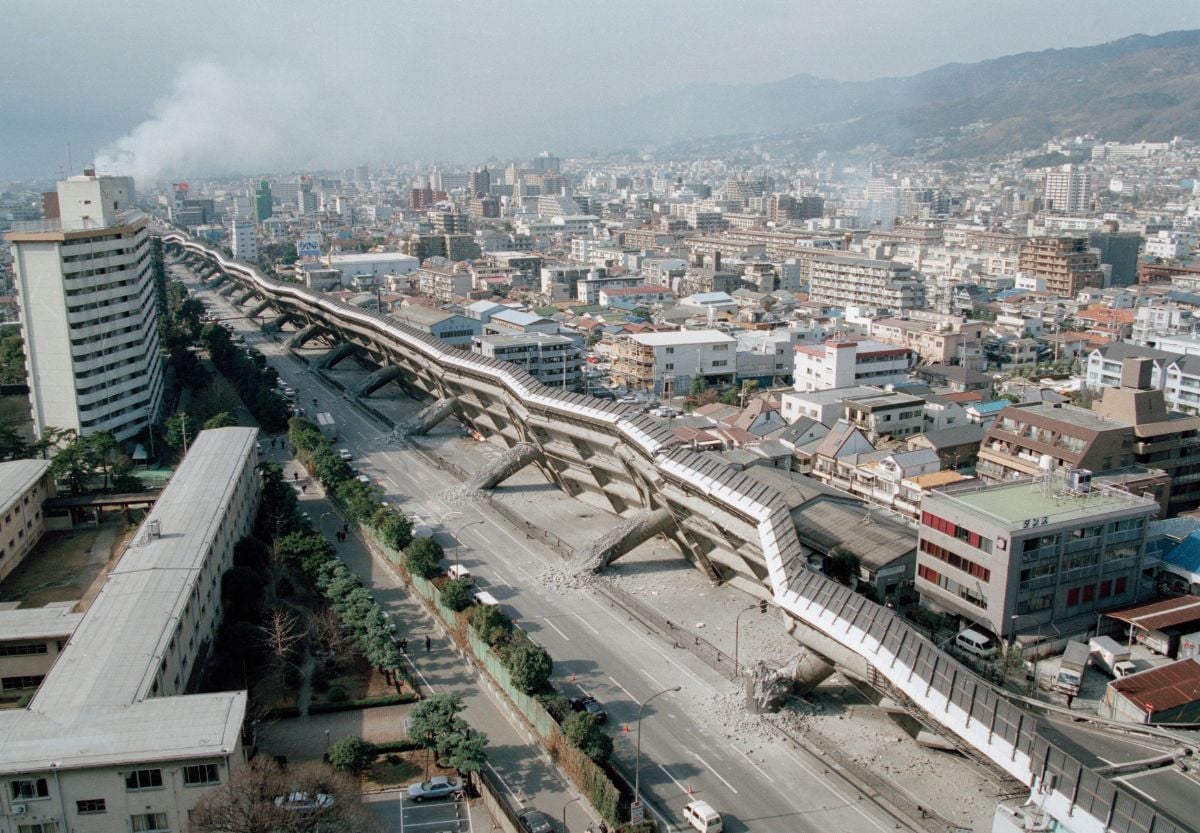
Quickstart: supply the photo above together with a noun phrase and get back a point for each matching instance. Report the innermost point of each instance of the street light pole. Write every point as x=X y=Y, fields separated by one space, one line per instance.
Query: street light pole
x=637 y=769
x=458 y=532
x=737 y=623
x=564 y=811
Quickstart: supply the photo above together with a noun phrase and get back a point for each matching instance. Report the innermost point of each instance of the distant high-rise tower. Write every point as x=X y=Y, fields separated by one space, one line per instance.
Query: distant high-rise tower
x=306 y=200
x=88 y=311
x=263 y=201
x=1068 y=189
x=245 y=243
x=479 y=183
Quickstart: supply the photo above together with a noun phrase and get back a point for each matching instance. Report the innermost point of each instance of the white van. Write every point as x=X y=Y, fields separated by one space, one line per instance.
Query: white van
x=486 y=599
x=458 y=571
x=975 y=643
x=701 y=816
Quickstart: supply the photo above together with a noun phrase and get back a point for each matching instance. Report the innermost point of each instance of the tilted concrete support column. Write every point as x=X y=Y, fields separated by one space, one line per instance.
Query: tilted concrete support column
x=430 y=416
x=330 y=359
x=241 y=299
x=259 y=309
x=298 y=339
x=228 y=290
x=377 y=380
x=504 y=467
x=810 y=671
x=626 y=536
x=275 y=324
x=219 y=278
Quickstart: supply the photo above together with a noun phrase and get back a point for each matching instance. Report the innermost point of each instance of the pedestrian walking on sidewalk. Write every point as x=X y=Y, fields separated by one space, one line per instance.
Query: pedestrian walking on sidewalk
x=428 y=643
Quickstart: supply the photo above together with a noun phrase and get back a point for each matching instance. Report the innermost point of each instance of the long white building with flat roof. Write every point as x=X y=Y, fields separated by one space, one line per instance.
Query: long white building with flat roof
x=667 y=362
x=112 y=742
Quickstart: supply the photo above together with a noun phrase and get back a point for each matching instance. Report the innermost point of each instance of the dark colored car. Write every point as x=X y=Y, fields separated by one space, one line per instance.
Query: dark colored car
x=535 y=821
x=589 y=705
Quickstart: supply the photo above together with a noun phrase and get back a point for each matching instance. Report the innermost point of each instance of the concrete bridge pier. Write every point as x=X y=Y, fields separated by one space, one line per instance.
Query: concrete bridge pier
x=377 y=380
x=259 y=309
x=299 y=338
x=430 y=416
x=241 y=299
x=330 y=359
x=218 y=278
x=228 y=290
x=504 y=466
x=626 y=536
x=275 y=324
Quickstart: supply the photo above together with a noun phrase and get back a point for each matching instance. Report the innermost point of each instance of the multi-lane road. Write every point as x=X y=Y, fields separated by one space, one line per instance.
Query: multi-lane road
x=687 y=746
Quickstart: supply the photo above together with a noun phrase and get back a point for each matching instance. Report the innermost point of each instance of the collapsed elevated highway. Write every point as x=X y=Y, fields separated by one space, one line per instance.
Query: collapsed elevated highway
x=725 y=522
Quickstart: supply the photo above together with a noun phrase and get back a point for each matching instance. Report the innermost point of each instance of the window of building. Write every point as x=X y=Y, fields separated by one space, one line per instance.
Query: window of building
x=144 y=779
x=149 y=823
x=198 y=774
x=28 y=788
x=90 y=805
x=26 y=681
x=23 y=650
x=40 y=827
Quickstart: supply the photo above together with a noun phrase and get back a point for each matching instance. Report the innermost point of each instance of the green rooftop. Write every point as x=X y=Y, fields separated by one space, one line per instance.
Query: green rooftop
x=1014 y=503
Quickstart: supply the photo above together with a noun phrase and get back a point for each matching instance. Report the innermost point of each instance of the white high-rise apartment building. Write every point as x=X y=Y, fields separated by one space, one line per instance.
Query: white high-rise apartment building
x=245 y=242
x=88 y=311
x=1068 y=189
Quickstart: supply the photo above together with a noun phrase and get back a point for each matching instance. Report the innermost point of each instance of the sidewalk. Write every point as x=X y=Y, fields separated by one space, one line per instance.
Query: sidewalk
x=526 y=774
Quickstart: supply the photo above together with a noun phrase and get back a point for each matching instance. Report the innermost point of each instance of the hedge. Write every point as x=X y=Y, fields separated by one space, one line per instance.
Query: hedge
x=365 y=703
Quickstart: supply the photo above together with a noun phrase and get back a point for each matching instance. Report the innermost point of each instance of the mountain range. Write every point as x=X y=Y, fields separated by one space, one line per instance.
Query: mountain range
x=1136 y=88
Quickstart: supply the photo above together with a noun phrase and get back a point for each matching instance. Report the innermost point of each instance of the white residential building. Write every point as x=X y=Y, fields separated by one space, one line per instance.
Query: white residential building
x=668 y=362
x=842 y=281
x=1152 y=321
x=839 y=364
x=1068 y=190
x=244 y=240
x=88 y=311
x=112 y=741
x=24 y=487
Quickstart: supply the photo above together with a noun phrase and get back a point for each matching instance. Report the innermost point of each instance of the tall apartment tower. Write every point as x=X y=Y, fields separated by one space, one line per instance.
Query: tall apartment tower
x=88 y=313
x=245 y=243
x=1068 y=189
x=1067 y=262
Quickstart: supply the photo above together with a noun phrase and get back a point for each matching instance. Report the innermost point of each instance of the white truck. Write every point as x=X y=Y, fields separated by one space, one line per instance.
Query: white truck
x=327 y=425
x=1111 y=656
x=1072 y=668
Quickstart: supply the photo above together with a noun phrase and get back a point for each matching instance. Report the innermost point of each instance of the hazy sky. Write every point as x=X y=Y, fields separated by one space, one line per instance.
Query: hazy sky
x=175 y=89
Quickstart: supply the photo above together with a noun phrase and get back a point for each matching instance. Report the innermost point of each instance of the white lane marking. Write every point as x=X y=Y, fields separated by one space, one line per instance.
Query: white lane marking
x=586 y=623
x=503 y=783
x=586 y=693
x=751 y=762
x=502 y=579
x=546 y=619
x=624 y=689
x=714 y=772
x=1143 y=793
x=428 y=685
x=651 y=677
x=823 y=780
x=682 y=788
x=650 y=644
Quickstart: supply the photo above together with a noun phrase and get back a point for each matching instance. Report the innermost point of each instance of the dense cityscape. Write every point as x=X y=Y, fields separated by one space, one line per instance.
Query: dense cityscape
x=866 y=475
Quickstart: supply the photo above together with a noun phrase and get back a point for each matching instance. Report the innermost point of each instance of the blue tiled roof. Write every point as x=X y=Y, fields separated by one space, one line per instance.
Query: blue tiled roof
x=993 y=407
x=1186 y=555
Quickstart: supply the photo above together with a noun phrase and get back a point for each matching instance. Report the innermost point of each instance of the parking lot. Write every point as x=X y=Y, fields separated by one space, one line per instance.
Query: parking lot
x=397 y=814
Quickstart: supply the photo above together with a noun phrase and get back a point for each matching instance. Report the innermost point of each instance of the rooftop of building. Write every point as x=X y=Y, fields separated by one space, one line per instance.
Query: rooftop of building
x=683 y=337
x=418 y=315
x=95 y=706
x=830 y=396
x=1063 y=412
x=511 y=339
x=1015 y=503
x=372 y=257
x=1162 y=688
x=17 y=477
x=47 y=622
x=848 y=260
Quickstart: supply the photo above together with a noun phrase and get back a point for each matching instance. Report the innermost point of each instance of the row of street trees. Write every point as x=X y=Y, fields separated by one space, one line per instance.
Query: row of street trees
x=358 y=499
